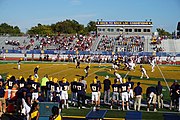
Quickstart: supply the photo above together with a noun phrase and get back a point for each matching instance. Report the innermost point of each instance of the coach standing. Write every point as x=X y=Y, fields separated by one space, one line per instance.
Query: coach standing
x=138 y=96
x=107 y=84
x=43 y=85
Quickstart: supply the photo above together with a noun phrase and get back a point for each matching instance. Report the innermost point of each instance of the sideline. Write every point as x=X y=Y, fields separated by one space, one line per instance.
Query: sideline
x=163 y=77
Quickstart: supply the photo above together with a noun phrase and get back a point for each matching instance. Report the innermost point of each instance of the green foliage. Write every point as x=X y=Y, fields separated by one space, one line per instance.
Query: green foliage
x=162 y=32
x=91 y=26
x=63 y=27
x=41 y=30
x=8 y=29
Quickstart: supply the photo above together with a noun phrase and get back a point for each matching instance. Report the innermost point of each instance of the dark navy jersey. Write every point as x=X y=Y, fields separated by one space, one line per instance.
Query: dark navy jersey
x=115 y=87
x=99 y=83
x=73 y=86
x=21 y=83
x=159 y=89
x=86 y=68
x=149 y=90
x=94 y=87
x=131 y=85
x=2 y=92
x=52 y=86
x=65 y=86
x=10 y=83
x=107 y=84
x=137 y=90
x=56 y=99
x=30 y=82
x=35 y=85
x=48 y=85
x=80 y=88
x=35 y=70
x=57 y=87
x=124 y=87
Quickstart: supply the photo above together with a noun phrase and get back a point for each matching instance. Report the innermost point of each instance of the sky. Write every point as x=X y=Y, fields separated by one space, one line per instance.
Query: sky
x=28 y=13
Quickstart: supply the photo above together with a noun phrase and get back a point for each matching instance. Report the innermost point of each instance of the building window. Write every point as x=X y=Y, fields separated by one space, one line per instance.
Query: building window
x=117 y=30
x=137 y=30
x=99 y=29
x=112 y=30
x=146 y=30
x=103 y=30
x=128 y=30
x=108 y=30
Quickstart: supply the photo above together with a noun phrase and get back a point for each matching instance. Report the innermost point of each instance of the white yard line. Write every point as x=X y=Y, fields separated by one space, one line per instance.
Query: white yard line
x=163 y=77
x=126 y=74
x=61 y=71
x=97 y=71
x=21 y=72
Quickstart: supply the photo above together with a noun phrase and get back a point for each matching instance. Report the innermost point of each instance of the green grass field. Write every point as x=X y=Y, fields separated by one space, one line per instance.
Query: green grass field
x=69 y=71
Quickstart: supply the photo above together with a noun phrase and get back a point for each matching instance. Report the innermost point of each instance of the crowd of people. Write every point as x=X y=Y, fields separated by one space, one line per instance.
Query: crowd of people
x=130 y=44
x=106 y=43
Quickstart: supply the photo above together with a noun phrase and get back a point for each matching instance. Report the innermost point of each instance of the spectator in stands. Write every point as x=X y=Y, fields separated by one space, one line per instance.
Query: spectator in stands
x=138 y=96
x=107 y=84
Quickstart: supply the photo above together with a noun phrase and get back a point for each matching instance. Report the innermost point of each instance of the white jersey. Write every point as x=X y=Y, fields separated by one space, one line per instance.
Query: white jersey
x=153 y=62
x=118 y=77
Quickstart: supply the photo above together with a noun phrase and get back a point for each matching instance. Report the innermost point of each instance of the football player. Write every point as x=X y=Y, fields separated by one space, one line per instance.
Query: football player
x=115 y=94
x=95 y=97
x=124 y=94
x=143 y=72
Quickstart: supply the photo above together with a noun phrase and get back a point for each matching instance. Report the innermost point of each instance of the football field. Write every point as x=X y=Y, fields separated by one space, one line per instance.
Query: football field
x=164 y=73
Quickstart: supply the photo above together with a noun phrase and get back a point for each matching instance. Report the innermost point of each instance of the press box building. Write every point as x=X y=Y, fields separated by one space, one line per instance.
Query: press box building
x=125 y=28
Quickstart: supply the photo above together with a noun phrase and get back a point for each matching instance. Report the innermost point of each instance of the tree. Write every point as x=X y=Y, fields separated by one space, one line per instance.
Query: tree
x=162 y=32
x=41 y=30
x=8 y=29
x=91 y=26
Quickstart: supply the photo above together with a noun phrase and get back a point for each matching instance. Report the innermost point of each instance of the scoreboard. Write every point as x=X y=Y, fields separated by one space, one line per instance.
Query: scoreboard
x=123 y=23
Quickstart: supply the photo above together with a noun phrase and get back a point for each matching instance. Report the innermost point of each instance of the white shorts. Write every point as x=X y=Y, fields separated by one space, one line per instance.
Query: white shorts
x=34 y=96
x=130 y=94
x=64 y=95
x=124 y=96
x=95 y=96
x=115 y=96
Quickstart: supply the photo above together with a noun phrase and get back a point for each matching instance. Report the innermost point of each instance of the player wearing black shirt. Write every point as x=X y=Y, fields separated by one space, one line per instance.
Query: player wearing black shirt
x=115 y=94
x=124 y=93
x=74 y=91
x=86 y=70
x=81 y=93
x=95 y=88
x=151 y=97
